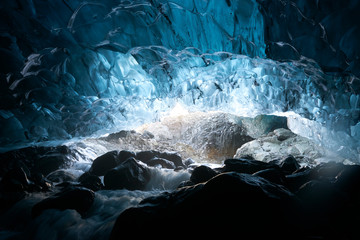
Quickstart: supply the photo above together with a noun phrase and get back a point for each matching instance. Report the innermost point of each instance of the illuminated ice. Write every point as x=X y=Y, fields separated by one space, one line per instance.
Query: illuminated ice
x=115 y=65
x=132 y=90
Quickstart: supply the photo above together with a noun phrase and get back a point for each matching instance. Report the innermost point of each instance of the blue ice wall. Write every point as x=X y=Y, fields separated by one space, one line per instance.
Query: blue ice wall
x=76 y=68
x=324 y=30
x=64 y=61
x=233 y=26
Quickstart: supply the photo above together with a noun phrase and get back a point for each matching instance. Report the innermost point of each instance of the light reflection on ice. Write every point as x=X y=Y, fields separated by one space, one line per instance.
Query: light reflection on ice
x=148 y=83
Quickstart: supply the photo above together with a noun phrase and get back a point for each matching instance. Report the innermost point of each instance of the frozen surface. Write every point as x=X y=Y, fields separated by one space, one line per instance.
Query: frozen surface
x=326 y=31
x=183 y=73
x=73 y=68
x=76 y=69
x=132 y=90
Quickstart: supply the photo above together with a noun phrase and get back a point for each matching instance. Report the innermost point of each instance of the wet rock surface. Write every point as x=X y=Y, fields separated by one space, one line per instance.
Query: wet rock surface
x=214 y=135
x=279 y=143
x=130 y=175
x=247 y=195
x=280 y=194
x=36 y=159
x=228 y=201
x=77 y=198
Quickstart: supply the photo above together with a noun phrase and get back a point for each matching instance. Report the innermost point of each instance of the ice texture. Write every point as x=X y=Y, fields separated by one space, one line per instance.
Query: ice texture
x=78 y=68
x=326 y=31
x=69 y=67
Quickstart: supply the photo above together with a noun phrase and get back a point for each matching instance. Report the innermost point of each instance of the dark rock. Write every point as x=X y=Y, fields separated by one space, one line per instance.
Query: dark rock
x=164 y=163
x=8 y=199
x=13 y=187
x=272 y=174
x=187 y=183
x=60 y=175
x=173 y=157
x=14 y=180
x=188 y=162
x=77 y=198
x=232 y=202
x=35 y=159
x=124 y=155
x=202 y=174
x=328 y=170
x=289 y=165
x=146 y=156
x=40 y=181
x=302 y=169
x=243 y=165
x=130 y=175
x=348 y=180
x=324 y=207
x=319 y=195
x=91 y=181
x=101 y=165
x=50 y=162
x=296 y=180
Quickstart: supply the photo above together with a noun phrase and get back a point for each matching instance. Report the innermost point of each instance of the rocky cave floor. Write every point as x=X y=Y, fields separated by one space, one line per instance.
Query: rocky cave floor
x=278 y=184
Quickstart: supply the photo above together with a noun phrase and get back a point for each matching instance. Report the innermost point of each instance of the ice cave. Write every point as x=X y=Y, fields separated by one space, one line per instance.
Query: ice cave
x=234 y=118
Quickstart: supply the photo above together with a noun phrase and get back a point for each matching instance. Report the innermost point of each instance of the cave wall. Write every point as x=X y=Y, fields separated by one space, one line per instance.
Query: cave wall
x=324 y=30
x=73 y=68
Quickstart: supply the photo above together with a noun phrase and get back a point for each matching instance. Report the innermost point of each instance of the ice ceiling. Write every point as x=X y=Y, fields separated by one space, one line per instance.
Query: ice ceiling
x=77 y=68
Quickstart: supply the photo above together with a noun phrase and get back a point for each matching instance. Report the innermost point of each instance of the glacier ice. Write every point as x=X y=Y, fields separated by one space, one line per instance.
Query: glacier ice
x=73 y=54
x=325 y=31
x=103 y=66
x=127 y=90
x=187 y=76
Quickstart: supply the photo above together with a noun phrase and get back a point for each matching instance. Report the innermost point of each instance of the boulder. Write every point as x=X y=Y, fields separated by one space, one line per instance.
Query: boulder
x=77 y=198
x=294 y=181
x=8 y=199
x=244 y=165
x=18 y=180
x=274 y=175
x=50 y=162
x=124 y=155
x=325 y=208
x=164 y=163
x=14 y=180
x=320 y=197
x=281 y=143
x=172 y=157
x=131 y=175
x=61 y=175
x=41 y=182
x=232 y=203
x=211 y=135
x=202 y=174
x=102 y=164
x=147 y=156
x=42 y=160
x=91 y=181
x=348 y=180
x=328 y=170
x=289 y=165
